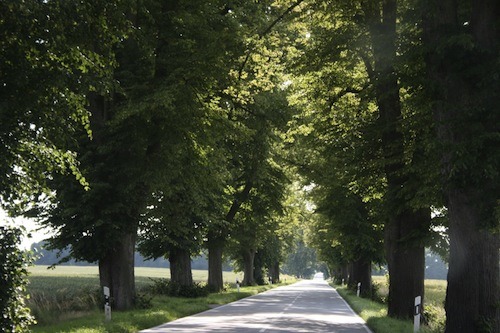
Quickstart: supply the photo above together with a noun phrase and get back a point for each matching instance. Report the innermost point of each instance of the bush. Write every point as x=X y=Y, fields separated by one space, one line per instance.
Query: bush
x=167 y=287
x=143 y=301
x=377 y=296
x=434 y=318
x=15 y=315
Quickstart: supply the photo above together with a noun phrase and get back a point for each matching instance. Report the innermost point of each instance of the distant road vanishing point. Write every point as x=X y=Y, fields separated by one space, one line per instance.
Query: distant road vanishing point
x=310 y=306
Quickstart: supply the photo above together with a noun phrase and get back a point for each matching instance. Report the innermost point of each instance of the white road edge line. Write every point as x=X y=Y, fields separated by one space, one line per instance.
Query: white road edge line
x=348 y=306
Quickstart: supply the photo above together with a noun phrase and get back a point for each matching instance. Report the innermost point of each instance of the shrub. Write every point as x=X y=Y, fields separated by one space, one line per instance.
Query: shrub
x=15 y=315
x=167 y=287
x=143 y=301
x=434 y=317
x=377 y=296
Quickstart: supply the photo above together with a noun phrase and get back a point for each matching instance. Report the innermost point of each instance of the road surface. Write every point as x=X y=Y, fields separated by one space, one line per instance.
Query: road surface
x=308 y=306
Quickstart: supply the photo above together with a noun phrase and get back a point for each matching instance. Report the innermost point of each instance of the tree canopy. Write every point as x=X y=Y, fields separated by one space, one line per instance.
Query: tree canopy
x=353 y=132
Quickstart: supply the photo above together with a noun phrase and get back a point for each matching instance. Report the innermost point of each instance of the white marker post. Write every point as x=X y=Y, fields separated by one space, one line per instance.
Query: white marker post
x=359 y=288
x=342 y=282
x=416 y=318
x=238 y=285
x=107 y=307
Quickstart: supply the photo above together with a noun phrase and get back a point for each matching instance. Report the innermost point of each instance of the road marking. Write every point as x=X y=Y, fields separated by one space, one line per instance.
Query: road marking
x=283 y=312
x=349 y=307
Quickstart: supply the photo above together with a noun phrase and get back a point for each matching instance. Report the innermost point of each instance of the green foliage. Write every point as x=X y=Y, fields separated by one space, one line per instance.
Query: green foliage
x=169 y=288
x=49 y=56
x=434 y=317
x=15 y=315
x=302 y=262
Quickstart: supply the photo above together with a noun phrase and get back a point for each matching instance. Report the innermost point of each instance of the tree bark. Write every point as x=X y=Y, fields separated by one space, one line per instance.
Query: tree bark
x=217 y=240
x=361 y=272
x=180 y=267
x=406 y=261
x=258 y=269
x=472 y=297
x=274 y=272
x=116 y=271
x=215 y=250
x=248 y=261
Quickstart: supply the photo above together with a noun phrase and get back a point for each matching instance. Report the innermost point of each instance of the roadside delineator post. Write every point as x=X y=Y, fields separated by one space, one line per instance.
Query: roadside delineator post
x=238 y=285
x=416 y=318
x=359 y=288
x=107 y=306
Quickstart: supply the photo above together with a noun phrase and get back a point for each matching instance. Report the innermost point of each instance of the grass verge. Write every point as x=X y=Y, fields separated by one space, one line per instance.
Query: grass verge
x=375 y=315
x=164 y=309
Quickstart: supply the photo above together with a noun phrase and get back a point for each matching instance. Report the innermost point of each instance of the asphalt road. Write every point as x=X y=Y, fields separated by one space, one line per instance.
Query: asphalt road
x=308 y=306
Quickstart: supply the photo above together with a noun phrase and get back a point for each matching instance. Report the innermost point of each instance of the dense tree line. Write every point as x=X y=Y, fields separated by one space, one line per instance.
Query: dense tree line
x=251 y=129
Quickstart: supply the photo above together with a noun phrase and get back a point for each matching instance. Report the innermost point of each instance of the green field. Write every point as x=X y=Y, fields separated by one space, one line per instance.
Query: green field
x=68 y=299
x=66 y=277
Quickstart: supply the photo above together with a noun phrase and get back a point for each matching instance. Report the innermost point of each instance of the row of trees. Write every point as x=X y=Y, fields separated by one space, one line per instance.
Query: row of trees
x=400 y=121
x=183 y=109
x=176 y=126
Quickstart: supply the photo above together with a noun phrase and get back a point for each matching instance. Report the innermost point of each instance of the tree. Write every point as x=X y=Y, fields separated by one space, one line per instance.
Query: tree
x=50 y=57
x=349 y=230
x=177 y=220
x=302 y=262
x=51 y=62
x=463 y=88
x=406 y=261
x=15 y=315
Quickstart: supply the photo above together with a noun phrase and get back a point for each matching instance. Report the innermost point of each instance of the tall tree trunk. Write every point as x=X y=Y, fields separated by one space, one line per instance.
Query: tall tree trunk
x=406 y=261
x=258 y=269
x=466 y=99
x=274 y=272
x=215 y=246
x=180 y=267
x=217 y=240
x=116 y=271
x=406 y=273
x=361 y=272
x=248 y=261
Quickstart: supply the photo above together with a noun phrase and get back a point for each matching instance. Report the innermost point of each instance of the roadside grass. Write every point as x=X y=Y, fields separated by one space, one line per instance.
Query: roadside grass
x=375 y=313
x=164 y=309
x=68 y=300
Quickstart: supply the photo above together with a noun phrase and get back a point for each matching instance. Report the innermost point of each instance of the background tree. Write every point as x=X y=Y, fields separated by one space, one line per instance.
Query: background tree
x=262 y=170
x=259 y=70
x=176 y=222
x=355 y=234
x=302 y=262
